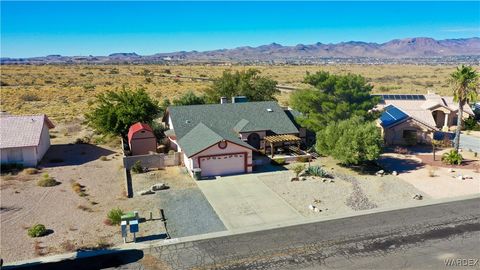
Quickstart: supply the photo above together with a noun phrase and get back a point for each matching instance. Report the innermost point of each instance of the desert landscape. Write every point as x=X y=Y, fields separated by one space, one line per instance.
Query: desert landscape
x=65 y=92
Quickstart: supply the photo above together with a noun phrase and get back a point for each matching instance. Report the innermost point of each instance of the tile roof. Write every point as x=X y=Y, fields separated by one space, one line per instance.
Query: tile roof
x=420 y=109
x=22 y=130
x=226 y=121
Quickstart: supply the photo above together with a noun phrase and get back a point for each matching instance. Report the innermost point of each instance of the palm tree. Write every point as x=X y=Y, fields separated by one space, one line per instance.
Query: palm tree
x=465 y=84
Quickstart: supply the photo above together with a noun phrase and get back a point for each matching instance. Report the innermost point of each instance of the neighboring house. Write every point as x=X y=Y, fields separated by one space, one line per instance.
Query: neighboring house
x=415 y=118
x=219 y=139
x=141 y=139
x=24 y=139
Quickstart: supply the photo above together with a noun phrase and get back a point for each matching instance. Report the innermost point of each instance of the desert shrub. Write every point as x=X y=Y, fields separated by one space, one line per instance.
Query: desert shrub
x=30 y=171
x=47 y=181
x=471 y=124
x=171 y=152
x=103 y=158
x=453 y=158
x=137 y=167
x=84 y=140
x=115 y=216
x=298 y=169
x=76 y=187
x=30 y=97
x=316 y=171
x=37 y=230
x=278 y=161
x=302 y=159
x=431 y=171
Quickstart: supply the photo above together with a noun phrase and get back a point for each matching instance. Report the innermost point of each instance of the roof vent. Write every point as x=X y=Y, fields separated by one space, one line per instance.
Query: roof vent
x=269 y=110
x=187 y=121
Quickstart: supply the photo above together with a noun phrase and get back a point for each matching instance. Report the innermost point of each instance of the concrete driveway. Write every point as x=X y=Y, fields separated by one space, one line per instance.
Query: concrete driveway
x=244 y=200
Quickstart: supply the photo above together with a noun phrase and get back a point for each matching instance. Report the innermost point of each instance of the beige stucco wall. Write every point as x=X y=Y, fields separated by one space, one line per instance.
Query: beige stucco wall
x=215 y=150
x=394 y=135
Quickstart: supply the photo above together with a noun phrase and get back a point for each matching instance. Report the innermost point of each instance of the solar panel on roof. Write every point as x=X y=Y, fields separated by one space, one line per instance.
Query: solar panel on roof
x=410 y=97
x=391 y=115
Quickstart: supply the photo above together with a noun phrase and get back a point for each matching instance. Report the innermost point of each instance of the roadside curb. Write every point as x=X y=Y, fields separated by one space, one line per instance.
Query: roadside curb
x=159 y=243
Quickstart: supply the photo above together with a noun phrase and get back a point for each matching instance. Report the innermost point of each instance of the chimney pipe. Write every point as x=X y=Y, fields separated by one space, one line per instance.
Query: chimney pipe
x=223 y=100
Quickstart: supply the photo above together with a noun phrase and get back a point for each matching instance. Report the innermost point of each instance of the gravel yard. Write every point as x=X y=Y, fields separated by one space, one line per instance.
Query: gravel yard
x=189 y=213
x=347 y=192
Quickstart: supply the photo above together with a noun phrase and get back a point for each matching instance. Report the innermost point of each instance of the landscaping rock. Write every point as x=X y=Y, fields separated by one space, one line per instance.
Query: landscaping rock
x=450 y=170
x=324 y=180
x=395 y=173
x=418 y=197
x=311 y=207
x=460 y=177
x=146 y=192
x=380 y=173
x=331 y=181
x=159 y=186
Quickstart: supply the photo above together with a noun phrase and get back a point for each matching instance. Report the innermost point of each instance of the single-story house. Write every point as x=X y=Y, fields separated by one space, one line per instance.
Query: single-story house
x=415 y=118
x=24 y=139
x=141 y=139
x=219 y=139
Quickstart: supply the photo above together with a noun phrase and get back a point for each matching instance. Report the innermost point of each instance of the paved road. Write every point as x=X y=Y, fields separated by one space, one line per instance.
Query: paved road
x=415 y=238
x=470 y=142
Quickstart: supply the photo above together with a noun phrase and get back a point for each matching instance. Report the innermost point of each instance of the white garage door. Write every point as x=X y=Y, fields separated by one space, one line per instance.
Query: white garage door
x=222 y=165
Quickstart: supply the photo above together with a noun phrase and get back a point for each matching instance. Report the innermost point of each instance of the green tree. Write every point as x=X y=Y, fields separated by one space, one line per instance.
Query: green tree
x=333 y=98
x=189 y=98
x=247 y=83
x=464 y=83
x=350 y=141
x=115 y=112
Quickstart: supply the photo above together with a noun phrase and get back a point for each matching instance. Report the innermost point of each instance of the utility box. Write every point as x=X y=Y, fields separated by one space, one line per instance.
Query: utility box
x=133 y=226
x=197 y=173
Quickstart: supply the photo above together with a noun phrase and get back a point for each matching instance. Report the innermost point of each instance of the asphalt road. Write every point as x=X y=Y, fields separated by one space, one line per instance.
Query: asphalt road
x=470 y=142
x=415 y=238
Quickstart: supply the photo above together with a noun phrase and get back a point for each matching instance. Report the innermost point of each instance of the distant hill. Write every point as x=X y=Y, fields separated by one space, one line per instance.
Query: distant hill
x=394 y=50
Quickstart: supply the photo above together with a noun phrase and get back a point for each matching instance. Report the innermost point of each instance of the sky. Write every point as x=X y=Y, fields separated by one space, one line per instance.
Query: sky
x=101 y=28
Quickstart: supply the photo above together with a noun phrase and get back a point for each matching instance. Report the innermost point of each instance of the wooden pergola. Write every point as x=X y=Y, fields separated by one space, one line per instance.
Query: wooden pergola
x=284 y=138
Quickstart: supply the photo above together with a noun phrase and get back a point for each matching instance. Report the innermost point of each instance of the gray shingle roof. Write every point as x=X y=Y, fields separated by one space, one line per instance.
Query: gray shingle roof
x=21 y=130
x=225 y=121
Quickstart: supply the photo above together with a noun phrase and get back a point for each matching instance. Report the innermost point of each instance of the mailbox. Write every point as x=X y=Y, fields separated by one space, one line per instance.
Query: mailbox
x=133 y=226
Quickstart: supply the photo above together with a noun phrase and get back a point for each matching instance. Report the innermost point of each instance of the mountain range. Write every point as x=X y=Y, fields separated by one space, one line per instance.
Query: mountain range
x=408 y=48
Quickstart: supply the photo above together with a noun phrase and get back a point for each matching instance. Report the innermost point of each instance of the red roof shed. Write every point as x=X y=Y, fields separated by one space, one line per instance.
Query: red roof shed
x=141 y=139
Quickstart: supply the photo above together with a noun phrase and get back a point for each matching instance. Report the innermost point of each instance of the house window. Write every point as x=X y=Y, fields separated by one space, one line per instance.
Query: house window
x=222 y=144
x=407 y=134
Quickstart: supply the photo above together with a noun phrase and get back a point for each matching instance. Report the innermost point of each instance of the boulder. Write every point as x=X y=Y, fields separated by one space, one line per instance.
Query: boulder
x=146 y=192
x=380 y=173
x=159 y=186
x=331 y=181
x=451 y=170
x=311 y=207
x=395 y=173
x=460 y=177
x=418 y=197
x=324 y=180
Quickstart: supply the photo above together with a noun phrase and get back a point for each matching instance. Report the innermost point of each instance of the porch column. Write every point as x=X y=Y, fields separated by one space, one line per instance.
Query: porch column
x=445 y=124
x=271 y=148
